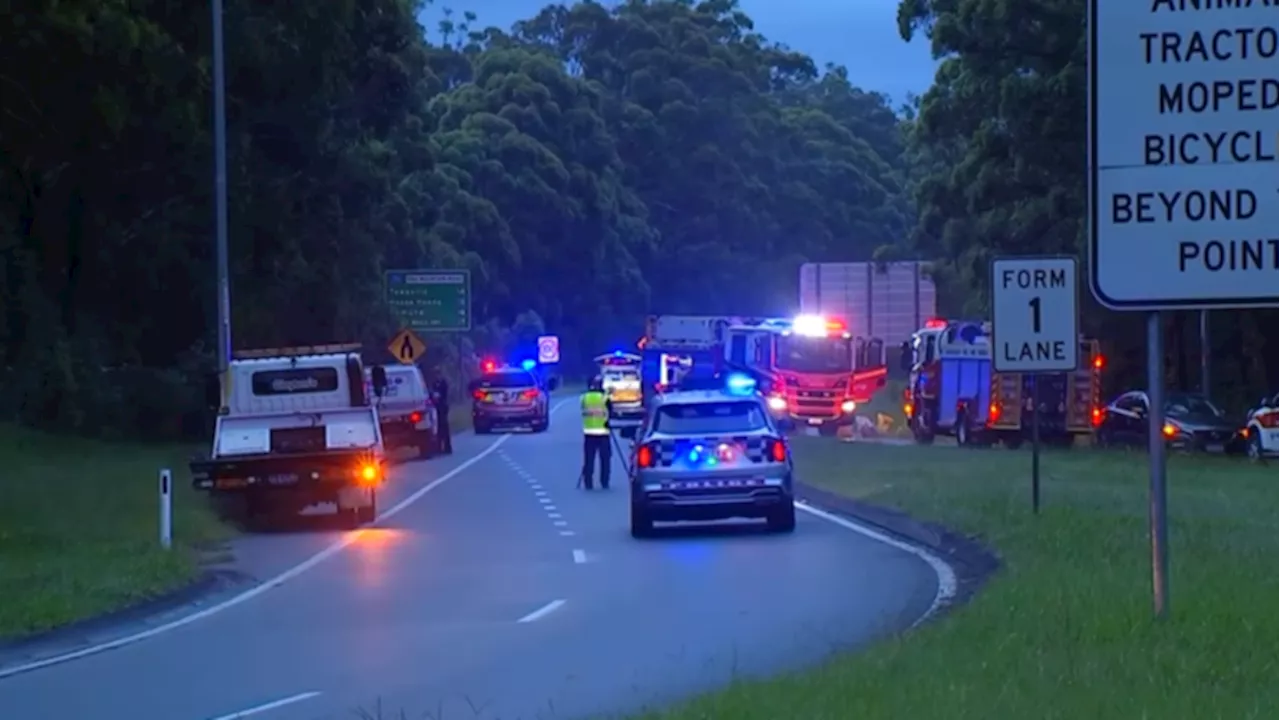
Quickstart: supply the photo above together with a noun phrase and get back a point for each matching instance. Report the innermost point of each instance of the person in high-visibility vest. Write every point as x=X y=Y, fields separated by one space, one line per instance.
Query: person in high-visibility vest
x=595 y=434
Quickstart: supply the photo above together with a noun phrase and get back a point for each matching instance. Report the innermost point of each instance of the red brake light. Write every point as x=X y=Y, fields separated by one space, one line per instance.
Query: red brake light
x=529 y=394
x=778 y=451
x=993 y=412
x=1097 y=417
x=934 y=323
x=1099 y=362
x=1267 y=420
x=488 y=366
x=478 y=394
x=644 y=456
x=415 y=417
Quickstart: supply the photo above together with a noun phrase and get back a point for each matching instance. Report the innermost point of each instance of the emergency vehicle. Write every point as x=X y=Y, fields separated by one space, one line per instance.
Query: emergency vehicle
x=953 y=390
x=810 y=368
x=295 y=428
x=620 y=376
x=1261 y=429
x=676 y=346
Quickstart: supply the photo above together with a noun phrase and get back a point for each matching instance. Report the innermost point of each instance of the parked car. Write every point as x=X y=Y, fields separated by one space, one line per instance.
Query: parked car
x=1191 y=423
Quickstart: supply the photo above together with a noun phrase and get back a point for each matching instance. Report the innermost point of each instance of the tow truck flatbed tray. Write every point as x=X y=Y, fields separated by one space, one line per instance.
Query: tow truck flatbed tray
x=276 y=469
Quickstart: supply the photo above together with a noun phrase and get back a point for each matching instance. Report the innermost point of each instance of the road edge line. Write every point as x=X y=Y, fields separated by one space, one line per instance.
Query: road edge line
x=267 y=707
x=948 y=582
x=261 y=588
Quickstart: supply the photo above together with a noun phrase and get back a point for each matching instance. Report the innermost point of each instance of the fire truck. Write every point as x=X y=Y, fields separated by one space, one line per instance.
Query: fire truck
x=811 y=369
x=954 y=391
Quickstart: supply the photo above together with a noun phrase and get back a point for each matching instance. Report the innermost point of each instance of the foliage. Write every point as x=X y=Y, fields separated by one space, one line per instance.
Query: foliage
x=589 y=166
x=997 y=157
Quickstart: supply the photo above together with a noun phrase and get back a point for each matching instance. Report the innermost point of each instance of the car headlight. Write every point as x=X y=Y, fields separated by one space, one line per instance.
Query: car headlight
x=777 y=403
x=848 y=406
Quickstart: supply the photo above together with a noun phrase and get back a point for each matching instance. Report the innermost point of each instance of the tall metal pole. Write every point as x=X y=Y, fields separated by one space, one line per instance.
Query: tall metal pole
x=1158 y=507
x=1035 y=443
x=1204 y=352
x=220 y=191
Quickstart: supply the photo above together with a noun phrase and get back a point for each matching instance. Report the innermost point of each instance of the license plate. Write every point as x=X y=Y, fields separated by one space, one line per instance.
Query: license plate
x=283 y=479
x=1214 y=447
x=814 y=421
x=229 y=483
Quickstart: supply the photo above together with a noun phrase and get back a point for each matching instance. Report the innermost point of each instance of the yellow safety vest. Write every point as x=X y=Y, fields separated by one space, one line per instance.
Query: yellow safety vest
x=595 y=414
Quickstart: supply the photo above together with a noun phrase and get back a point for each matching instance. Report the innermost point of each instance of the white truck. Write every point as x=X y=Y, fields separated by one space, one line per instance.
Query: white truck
x=295 y=428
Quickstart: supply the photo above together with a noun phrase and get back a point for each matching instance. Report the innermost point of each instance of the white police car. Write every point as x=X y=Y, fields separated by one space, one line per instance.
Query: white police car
x=711 y=454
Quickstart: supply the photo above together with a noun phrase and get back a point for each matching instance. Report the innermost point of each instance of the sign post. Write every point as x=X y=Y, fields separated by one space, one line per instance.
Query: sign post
x=1182 y=178
x=1034 y=329
x=166 y=508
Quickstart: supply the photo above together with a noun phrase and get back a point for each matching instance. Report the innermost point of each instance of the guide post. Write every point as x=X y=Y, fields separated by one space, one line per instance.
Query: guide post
x=1034 y=313
x=1182 y=178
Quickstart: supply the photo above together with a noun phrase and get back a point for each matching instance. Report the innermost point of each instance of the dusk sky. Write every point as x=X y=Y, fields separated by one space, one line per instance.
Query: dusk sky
x=862 y=35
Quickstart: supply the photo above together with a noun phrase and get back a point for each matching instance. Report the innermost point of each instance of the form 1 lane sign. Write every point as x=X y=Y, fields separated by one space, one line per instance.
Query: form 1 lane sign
x=1182 y=153
x=1034 y=311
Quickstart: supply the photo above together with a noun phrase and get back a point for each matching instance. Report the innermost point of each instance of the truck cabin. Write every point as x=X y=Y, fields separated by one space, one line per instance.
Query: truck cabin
x=809 y=344
x=272 y=381
x=941 y=337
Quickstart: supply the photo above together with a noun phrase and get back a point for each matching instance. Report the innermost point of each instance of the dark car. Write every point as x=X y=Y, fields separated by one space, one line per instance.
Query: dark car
x=508 y=398
x=1191 y=422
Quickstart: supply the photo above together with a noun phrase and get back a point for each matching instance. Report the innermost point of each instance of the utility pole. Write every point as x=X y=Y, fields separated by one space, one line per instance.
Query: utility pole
x=220 y=190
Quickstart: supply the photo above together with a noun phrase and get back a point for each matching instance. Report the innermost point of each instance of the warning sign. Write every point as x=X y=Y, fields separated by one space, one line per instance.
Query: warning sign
x=548 y=349
x=407 y=347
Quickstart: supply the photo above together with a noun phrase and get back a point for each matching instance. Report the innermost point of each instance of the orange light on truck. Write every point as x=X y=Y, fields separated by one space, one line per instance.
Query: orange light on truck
x=1097 y=417
x=368 y=474
x=1169 y=430
x=993 y=412
x=1099 y=362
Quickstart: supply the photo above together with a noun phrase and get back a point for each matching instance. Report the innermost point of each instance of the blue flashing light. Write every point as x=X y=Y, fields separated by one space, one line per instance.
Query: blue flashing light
x=617 y=353
x=739 y=384
x=529 y=365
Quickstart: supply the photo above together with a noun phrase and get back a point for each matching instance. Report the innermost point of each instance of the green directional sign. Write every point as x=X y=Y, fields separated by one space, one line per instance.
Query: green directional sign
x=430 y=300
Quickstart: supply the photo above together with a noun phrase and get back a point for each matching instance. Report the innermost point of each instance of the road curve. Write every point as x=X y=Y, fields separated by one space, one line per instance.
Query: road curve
x=503 y=592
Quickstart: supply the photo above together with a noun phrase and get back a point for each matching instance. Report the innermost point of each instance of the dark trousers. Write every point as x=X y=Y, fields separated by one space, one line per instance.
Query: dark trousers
x=443 y=431
x=596 y=446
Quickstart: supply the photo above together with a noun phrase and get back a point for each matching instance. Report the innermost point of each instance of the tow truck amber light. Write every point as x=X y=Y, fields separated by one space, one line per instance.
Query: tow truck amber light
x=1169 y=430
x=644 y=456
x=369 y=473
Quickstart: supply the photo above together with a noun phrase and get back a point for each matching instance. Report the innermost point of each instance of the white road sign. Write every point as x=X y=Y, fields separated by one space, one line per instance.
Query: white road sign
x=1182 y=153
x=548 y=349
x=1034 y=311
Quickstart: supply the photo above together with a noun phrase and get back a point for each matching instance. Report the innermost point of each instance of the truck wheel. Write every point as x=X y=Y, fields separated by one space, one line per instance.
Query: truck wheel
x=426 y=442
x=368 y=513
x=1012 y=441
x=482 y=428
x=783 y=520
x=641 y=523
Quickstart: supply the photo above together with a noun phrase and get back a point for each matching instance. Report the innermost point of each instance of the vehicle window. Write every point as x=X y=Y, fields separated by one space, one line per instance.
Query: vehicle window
x=815 y=354
x=1132 y=403
x=295 y=381
x=507 y=380
x=710 y=418
x=1180 y=405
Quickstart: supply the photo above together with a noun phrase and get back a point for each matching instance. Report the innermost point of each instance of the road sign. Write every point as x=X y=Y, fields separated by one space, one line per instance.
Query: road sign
x=1034 y=308
x=407 y=347
x=548 y=349
x=430 y=300
x=1182 y=154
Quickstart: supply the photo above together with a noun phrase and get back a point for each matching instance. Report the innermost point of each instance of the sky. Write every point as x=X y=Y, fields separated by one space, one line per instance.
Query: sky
x=862 y=35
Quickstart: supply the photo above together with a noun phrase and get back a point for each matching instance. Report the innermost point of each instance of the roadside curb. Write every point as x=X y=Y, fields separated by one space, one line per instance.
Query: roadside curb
x=973 y=563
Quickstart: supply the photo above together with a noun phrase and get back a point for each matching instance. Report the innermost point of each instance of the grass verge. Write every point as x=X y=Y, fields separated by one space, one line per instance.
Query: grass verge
x=1065 y=630
x=79 y=528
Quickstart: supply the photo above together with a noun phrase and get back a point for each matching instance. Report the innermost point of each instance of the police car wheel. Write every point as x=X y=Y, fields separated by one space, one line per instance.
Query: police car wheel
x=641 y=524
x=784 y=520
x=482 y=429
x=1255 y=446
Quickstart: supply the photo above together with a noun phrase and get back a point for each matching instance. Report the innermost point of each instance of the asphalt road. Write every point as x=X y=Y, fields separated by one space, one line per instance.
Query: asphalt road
x=502 y=592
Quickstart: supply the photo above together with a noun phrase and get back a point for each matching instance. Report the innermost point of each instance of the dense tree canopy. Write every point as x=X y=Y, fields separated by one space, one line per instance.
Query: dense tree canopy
x=588 y=166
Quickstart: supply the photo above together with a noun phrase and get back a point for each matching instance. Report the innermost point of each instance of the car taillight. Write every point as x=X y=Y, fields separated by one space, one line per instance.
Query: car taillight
x=993 y=412
x=415 y=417
x=478 y=394
x=644 y=456
x=1267 y=420
x=529 y=395
x=1097 y=416
x=777 y=450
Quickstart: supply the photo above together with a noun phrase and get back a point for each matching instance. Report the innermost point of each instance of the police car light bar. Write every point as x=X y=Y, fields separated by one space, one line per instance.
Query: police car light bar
x=740 y=384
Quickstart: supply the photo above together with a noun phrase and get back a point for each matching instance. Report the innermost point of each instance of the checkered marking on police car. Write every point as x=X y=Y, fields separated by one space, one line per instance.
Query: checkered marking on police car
x=712 y=484
x=753 y=447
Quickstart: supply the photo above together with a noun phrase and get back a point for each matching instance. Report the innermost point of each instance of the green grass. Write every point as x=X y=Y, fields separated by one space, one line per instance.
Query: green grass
x=1065 y=630
x=79 y=528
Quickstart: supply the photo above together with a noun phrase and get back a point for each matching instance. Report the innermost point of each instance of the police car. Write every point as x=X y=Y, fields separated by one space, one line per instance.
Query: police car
x=709 y=454
x=507 y=397
x=1261 y=429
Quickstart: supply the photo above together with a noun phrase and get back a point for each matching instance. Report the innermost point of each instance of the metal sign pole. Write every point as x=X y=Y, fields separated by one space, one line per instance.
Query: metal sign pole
x=1035 y=443
x=166 y=508
x=1158 y=502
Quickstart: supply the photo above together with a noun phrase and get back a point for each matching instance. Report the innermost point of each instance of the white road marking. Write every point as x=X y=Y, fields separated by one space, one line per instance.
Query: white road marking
x=579 y=556
x=550 y=508
x=566 y=533
x=560 y=523
x=542 y=612
x=554 y=516
x=947 y=584
x=258 y=709
x=540 y=493
x=338 y=546
x=545 y=501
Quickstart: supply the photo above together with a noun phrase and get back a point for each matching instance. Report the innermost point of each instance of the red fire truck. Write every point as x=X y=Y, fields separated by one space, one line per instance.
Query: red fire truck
x=954 y=391
x=811 y=368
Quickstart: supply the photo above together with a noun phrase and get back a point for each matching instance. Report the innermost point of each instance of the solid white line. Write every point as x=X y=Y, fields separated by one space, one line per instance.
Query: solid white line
x=258 y=709
x=580 y=556
x=338 y=546
x=542 y=612
x=946 y=574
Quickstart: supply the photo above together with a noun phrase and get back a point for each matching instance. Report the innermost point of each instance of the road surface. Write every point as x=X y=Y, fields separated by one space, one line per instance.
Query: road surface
x=501 y=592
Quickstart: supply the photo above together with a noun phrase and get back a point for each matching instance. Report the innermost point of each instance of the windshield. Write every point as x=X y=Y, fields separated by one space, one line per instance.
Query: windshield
x=815 y=354
x=1190 y=406
x=622 y=378
x=507 y=380
x=710 y=418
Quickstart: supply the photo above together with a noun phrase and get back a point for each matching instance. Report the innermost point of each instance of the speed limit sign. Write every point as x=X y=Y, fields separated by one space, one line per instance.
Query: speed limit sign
x=548 y=349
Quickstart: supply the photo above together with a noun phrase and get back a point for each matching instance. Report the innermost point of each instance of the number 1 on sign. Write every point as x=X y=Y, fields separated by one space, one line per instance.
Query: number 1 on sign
x=1035 y=314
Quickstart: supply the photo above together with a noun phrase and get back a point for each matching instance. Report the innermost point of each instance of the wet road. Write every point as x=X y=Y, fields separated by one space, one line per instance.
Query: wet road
x=499 y=592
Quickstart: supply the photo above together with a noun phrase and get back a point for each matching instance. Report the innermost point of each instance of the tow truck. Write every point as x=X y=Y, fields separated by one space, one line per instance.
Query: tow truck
x=620 y=374
x=810 y=368
x=953 y=390
x=295 y=428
